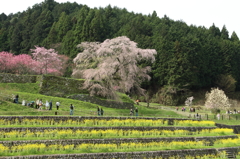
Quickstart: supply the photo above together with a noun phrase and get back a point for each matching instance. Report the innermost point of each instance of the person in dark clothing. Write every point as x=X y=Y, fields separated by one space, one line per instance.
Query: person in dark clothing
x=136 y=111
x=71 y=109
x=50 y=105
x=98 y=111
x=16 y=99
x=102 y=112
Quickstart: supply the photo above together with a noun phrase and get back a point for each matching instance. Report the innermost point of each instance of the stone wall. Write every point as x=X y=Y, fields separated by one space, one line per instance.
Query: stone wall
x=81 y=118
x=42 y=129
x=236 y=128
x=13 y=78
x=115 y=141
x=105 y=103
x=124 y=155
x=61 y=87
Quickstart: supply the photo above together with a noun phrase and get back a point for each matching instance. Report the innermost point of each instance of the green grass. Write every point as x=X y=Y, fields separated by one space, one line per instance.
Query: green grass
x=21 y=87
x=29 y=91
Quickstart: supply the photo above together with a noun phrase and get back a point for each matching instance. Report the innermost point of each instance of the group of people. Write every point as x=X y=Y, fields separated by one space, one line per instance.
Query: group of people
x=39 y=104
x=232 y=112
x=184 y=109
x=132 y=112
x=100 y=111
x=48 y=105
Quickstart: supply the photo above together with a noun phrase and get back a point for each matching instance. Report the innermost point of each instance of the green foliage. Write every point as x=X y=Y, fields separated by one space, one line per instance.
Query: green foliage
x=21 y=87
x=191 y=56
x=58 y=86
x=227 y=83
x=172 y=95
x=125 y=98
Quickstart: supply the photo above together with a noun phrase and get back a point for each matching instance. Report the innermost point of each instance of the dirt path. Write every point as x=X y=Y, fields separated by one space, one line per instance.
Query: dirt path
x=171 y=108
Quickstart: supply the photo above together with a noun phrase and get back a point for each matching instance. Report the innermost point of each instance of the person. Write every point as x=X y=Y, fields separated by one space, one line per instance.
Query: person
x=40 y=104
x=131 y=112
x=235 y=111
x=32 y=104
x=16 y=99
x=71 y=109
x=136 y=111
x=23 y=103
x=37 y=103
x=47 y=105
x=50 y=105
x=98 y=111
x=102 y=112
x=218 y=116
x=197 y=116
x=57 y=105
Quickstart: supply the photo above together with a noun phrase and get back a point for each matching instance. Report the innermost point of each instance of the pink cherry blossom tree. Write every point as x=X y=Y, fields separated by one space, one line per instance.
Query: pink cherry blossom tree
x=49 y=62
x=24 y=64
x=6 y=62
x=112 y=65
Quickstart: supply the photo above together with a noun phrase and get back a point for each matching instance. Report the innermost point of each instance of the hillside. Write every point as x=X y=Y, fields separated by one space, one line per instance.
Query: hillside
x=84 y=107
x=188 y=58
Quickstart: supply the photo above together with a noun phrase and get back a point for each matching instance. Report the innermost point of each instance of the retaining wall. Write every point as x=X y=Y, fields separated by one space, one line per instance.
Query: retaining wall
x=105 y=103
x=13 y=78
x=236 y=128
x=115 y=141
x=124 y=155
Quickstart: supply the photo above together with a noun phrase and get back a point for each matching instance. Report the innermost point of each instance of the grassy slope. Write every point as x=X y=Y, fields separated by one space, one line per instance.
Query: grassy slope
x=29 y=92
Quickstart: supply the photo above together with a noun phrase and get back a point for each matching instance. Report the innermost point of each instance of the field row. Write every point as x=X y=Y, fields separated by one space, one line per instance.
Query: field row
x=108 y=133
x=42 y=148
x=101 y=122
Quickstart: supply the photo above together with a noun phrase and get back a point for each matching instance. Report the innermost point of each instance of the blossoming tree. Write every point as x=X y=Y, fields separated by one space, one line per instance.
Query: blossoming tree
x=48 y=61
x=112 y=66
x=6 y=62
x=43 y=62
x=217 y=100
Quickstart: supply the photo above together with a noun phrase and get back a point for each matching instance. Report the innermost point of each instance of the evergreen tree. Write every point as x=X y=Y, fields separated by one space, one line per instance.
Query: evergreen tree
x=224 y=33
x=214 y=31
x=234 y=36
x=85 y=36
x=15 y=44
x=42 y=28
x=78 y=28
x=97 y=31
x=63 y=26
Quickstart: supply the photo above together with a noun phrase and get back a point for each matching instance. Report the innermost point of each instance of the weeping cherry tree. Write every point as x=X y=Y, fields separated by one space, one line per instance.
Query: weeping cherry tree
x=113 y=66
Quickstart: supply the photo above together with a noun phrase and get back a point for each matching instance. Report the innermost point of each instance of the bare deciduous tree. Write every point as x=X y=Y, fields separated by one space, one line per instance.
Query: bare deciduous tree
x=112 y=66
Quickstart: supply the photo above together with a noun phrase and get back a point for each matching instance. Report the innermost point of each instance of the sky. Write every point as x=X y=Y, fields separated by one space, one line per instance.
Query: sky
x=192 y=12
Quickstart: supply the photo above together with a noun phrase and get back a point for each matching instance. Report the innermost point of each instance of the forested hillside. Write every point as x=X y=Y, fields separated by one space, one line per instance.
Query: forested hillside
x=191 y=57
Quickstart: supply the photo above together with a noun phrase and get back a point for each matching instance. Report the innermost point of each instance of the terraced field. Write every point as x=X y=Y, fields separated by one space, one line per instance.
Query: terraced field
x=109 y=137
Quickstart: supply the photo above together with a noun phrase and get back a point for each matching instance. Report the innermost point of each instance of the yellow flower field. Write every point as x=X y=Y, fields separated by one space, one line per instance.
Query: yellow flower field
x=102 y=122
x=109 y=133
